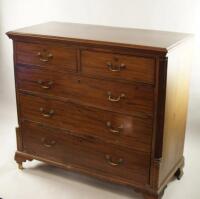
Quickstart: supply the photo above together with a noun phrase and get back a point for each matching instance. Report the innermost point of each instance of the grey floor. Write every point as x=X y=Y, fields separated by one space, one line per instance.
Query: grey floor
x=42 y=181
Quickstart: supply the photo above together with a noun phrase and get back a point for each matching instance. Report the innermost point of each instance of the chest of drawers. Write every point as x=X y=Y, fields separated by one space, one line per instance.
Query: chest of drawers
x=107 y=102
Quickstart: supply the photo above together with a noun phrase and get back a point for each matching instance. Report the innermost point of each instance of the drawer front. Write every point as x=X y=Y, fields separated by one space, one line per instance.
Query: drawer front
x=119 y=67
x=96 y=157
x=114 y=96
x=111 y=127
x=53 y=57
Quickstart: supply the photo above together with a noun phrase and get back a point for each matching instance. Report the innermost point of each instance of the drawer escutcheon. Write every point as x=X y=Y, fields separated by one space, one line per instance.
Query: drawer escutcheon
x=115 y=68
x=45 y=84
x=111 y=162
x=47 y=143
x=115 y=99
x=112 y=130
x=45 y=56
x=47 y=114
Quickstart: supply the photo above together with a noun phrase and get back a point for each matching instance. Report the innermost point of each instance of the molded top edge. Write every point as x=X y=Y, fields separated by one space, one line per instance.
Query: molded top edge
x=152 y=40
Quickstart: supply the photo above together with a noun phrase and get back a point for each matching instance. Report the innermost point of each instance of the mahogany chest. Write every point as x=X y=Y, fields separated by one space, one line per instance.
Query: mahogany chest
x=108 y=102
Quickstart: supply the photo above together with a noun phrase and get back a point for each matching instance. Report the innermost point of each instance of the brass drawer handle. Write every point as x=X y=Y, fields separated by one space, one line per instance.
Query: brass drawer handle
x=115 y=99
x=112 y=130
x=111 y=162
x=47 y=114
x=48 y=144
x=45 y=84
x=45 y=56
x=115 y=68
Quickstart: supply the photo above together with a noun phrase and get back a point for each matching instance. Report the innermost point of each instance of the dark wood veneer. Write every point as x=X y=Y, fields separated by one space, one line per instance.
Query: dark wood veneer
x=108 y=102
x=133 y=132
x=53 y=57
x=115 y=66
x=88 y=91
x=87 y=153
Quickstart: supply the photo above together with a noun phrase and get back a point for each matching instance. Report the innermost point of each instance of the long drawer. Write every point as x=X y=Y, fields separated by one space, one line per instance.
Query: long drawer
x=109 y=95
x=52 y=57
x=132 y=132
x=118 y=67
x=96 y=157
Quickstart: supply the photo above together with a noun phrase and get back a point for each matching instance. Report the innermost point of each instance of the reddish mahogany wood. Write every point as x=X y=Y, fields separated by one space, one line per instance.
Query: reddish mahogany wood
x=132 y=68
x=151 y=40
x=53 y=57
x=92 y=92
x=133 y=132
x=62 y=147
x=136 y=137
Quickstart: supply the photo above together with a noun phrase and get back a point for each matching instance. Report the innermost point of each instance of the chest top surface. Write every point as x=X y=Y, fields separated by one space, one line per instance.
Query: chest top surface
x=160 y=41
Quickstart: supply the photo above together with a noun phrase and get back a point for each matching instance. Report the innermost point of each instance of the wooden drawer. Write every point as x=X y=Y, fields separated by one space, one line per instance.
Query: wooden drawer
x=132 y=132
x=53 y=57
x=96 y=157
x=119 y=67
x=119 y=97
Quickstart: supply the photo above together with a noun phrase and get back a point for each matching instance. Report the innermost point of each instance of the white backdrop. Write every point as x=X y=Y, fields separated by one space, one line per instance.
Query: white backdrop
x=171 y=15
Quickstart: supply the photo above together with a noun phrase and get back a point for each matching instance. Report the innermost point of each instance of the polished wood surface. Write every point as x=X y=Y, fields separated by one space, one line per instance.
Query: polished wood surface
x=136 y=99
x=47 y=56
x=115 y=66
x=121 y=129
x=60 y=146
x=137 y=38
x=107 y=102
x=175 y=109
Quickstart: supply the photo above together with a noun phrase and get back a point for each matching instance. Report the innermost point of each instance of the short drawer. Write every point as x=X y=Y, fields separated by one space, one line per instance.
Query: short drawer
x=119 y=67
x=126 y=98
x=53 y=57
x=107 y=160
x=120 y=129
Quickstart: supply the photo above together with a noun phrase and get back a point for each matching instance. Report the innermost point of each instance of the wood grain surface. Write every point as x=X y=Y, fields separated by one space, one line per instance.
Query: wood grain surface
x=109 y=102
